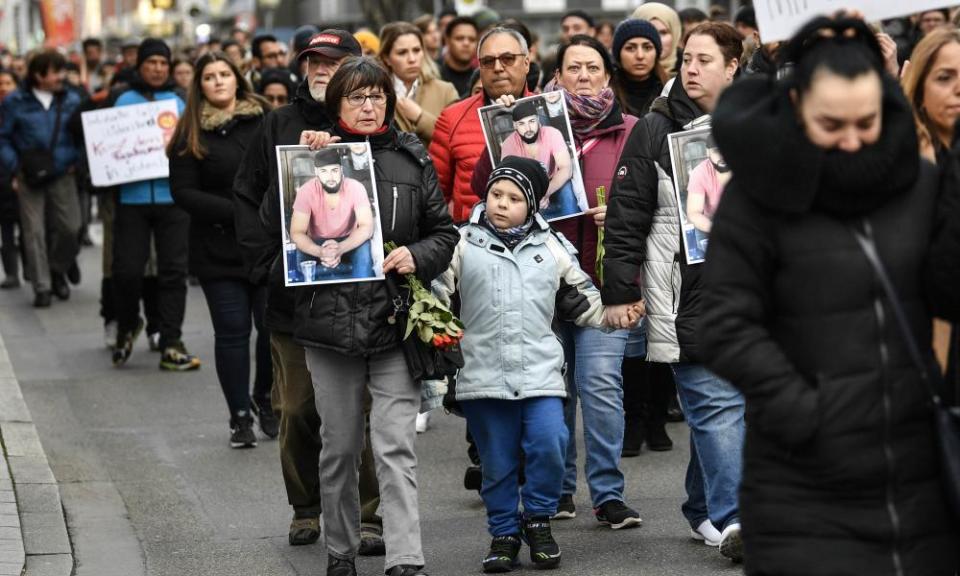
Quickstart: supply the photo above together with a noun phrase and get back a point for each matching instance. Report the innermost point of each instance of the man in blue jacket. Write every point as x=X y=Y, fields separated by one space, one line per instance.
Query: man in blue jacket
x=145 y=210
x=36 y=145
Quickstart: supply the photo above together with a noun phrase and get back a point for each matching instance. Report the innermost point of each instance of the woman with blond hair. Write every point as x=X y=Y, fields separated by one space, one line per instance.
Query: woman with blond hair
x=932 y=85
x=421 y=94
x=667 y=23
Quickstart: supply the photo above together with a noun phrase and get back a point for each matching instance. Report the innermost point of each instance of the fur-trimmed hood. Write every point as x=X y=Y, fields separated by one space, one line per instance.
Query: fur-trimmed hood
x=212 y=118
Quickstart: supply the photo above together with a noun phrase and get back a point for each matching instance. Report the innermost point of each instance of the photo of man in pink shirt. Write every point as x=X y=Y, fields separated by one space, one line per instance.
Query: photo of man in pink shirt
x=332 y=221
x=705 y=188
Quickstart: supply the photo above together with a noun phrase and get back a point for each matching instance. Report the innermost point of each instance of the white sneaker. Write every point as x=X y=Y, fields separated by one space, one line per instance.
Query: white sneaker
x=707 y=534
x=731 y=543
x=423 y=422
x=110 y=335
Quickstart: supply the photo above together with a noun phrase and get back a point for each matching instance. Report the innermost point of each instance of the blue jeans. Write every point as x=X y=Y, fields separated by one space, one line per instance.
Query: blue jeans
x=501 y=430
x=593 y=375
x=235 y=307
x=714 y=411
x=637 y=341
x=562 y=202
x=358 y=263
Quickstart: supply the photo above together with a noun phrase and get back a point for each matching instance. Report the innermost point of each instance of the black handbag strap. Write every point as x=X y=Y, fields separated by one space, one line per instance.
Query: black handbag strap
x=865 y=240
x=56 y=124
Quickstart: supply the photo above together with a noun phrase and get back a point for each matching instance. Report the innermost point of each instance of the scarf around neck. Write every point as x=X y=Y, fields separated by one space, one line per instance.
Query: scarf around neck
x=510 y=236
x=586 y=112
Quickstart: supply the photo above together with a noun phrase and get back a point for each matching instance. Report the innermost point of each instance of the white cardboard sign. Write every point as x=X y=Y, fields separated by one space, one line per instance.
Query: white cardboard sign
x=780 y=19
x=128 y=143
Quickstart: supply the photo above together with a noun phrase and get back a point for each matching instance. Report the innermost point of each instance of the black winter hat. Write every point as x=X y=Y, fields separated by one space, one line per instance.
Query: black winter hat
x=325 y=157
x=635 y=28
x=526 y=173
x=152 y=47
x=524 y=109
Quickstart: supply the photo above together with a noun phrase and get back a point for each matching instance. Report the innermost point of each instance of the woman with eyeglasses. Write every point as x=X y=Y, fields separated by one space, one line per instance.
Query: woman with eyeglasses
x=218 y=124
x=276 y=86
x=352 y=348
x=421 y=94
x=842 y=473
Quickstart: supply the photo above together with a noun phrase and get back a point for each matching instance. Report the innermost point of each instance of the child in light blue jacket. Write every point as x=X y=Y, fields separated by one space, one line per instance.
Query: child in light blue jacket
x=508 y=268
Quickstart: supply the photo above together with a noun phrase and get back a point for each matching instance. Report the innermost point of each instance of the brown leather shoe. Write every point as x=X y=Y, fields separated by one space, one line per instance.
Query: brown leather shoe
x=304 y=531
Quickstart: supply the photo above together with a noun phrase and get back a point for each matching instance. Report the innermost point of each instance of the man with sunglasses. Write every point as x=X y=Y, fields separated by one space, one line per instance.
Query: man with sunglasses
x=258 y=233
x=458 y=137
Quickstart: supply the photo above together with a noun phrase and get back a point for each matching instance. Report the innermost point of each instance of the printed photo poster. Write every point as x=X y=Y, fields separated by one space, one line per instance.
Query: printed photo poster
x=699 y=177
x=538 y=127
x=331 y=218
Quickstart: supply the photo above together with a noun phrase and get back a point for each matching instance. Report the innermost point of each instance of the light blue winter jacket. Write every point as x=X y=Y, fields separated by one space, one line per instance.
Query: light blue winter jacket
x=507 y=300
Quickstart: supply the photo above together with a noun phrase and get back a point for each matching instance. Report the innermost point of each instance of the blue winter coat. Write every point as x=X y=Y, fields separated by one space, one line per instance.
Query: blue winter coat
x=507 y=304
x=156 y=191
x=25 y=125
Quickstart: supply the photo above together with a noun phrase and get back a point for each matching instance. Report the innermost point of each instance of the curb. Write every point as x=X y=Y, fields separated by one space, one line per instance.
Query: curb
x=33 y=531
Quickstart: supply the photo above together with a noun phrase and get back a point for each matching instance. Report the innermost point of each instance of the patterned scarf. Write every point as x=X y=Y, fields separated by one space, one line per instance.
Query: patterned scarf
x=510 y=236
x=586 y=112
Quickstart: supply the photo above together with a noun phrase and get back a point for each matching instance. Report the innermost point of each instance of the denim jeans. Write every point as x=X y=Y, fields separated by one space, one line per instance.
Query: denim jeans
x=562 y=202
x=358 y=263
x=594 y=377
x=235 y=306
x=504 y=428
x=714 y=411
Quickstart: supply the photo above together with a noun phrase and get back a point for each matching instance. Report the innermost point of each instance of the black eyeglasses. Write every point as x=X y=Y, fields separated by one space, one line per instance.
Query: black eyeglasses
x=507 y=60
x=358 y=100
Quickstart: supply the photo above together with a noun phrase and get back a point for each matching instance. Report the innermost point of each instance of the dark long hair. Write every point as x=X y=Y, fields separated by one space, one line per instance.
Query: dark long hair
x=186 y=138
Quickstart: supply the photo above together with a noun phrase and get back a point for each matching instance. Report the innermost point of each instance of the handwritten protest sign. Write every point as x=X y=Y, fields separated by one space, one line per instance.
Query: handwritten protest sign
x=779 y=19
x=126 y=144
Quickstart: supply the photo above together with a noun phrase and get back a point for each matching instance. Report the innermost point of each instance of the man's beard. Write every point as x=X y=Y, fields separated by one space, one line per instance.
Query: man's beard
x=318 y=93
x=531 y=139
x=330 y=189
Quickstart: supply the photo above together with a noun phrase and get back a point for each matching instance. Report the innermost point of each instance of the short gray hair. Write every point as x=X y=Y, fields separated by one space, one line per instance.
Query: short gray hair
x=509 y=32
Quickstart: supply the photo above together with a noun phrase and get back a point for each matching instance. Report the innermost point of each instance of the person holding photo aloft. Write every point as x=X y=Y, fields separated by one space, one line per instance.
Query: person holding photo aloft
x=545 y=144
x=332 y=220
x=351 y=345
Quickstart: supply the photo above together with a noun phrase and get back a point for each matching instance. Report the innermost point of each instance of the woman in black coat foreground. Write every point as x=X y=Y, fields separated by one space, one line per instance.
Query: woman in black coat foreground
x=841 y=469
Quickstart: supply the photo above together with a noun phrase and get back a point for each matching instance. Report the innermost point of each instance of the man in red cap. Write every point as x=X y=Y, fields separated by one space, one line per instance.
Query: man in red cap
x=258 y=232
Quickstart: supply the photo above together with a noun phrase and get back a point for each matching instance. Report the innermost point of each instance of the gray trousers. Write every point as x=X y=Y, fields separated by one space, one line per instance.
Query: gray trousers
x=338 y=384
x=50 y=223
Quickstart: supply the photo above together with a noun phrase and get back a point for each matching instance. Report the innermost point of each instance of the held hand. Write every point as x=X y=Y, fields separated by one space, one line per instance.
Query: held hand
x=316 y=139
x=545 y=203
x=618 y=316
x=409 y=109
x=599 y=214
x=507 y=100
x=400 y=260
x=889 y=50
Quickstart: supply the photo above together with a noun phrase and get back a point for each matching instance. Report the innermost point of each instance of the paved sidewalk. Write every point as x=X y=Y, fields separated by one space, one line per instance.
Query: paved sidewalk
x=33 y=530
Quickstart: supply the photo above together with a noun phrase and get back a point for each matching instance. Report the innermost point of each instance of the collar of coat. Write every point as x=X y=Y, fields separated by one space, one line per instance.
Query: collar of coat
x=212 y=117
x=488 y=238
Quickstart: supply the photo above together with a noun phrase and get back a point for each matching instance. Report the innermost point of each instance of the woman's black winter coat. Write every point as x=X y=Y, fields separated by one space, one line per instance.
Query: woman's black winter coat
x=841 y=470
x=204 y=189
x=352 y=318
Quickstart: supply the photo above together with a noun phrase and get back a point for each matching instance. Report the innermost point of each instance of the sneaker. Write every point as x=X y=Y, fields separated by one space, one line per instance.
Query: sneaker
x=504 y=554
x=304 y=529
x=269 y=423
x=544 y=550
x=706 y=533
x=110 y=334
x=731 y=543
x=371 y=541
x=406 y=570
x=423 y=422
x=42 y=299
x=617 y=515
x=153 y=341
x=566 y=509
x=241 y=431
x=340 y=566
x=176 y=358
x=124 y=345
x=473 y=478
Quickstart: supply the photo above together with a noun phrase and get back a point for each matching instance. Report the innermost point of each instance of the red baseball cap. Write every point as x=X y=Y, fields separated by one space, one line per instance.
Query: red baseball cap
x=332 y=43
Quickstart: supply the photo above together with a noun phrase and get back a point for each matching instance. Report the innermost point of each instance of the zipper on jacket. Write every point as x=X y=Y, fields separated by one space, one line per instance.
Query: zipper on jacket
x=890 y=491
x=393 y=219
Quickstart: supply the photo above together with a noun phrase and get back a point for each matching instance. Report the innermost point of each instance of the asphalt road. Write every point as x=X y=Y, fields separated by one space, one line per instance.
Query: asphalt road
x=150 y=485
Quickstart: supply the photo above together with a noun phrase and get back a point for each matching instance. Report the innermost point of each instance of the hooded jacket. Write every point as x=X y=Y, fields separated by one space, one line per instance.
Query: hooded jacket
x=642 y=238
x=257 y=201
x=841 y=471
x=203 y=188
x=157 y=190
x=351 y=318
x=507 y=306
